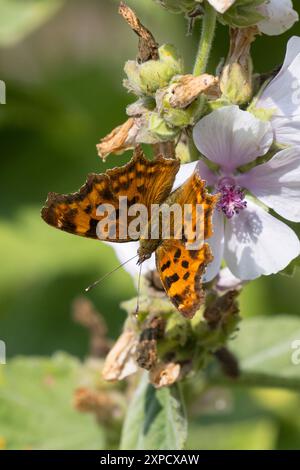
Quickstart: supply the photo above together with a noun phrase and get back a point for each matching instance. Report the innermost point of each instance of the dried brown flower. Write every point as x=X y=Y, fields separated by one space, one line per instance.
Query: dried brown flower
x=189 y=87
x=104 y=404
x=120 y=361
x=118 y=140
x=163 y=375
x=148 y=48
x=146 y=354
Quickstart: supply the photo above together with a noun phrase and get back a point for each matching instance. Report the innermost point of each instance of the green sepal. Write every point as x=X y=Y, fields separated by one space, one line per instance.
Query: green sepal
x=242 y=14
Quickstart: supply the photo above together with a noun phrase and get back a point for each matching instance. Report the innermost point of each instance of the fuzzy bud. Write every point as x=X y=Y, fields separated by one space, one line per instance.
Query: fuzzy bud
x=236 y=81
x=146 y=78
x=159 y=129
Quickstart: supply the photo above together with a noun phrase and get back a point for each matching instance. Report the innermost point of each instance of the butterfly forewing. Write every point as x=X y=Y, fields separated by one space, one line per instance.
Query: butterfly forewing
x=140 y=181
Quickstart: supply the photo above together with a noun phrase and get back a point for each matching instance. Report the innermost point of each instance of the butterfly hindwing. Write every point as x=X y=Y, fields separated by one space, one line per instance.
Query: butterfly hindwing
x=180 y=267
x=180 y=271
x=141 y=181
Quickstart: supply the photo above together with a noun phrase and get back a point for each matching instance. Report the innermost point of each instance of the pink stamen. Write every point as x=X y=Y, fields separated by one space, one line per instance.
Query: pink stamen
x=231 y=200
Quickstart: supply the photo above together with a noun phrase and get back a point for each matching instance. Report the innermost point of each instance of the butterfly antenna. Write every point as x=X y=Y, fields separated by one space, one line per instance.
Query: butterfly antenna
x=138 y=291
x=87 y=289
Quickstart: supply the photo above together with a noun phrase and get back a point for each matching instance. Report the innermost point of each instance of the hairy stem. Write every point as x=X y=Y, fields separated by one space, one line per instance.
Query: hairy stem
x=206 y=40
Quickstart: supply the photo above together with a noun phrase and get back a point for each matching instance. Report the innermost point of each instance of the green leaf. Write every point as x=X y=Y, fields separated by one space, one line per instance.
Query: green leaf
x=267 y=353
x=20 y=17
x=36 y=409
x=155 y=419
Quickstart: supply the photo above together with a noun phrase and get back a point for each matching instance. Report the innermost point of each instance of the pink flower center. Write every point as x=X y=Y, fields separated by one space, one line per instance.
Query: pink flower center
x=232 y=197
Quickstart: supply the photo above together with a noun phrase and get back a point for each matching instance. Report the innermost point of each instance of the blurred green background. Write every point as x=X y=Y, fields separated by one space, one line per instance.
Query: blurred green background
x=62 y=63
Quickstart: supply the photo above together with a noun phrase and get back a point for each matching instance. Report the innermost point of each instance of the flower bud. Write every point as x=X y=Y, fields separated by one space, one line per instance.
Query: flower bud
x=140 y=107
x=236 y=79
x=146 y=78
x=182 y=117
x=159 y=129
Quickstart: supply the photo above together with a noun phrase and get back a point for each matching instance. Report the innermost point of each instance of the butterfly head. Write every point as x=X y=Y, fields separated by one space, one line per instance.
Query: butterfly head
x=142 y=256
x=146 y=248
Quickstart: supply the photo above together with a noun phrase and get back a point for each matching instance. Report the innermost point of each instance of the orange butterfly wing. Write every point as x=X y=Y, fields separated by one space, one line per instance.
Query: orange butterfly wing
x=141 y=181
x=180 y=271
x=180 y=268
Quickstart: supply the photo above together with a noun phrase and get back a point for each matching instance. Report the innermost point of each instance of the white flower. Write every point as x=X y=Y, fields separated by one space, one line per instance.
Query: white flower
x=282 y=97
x=280 y=17
x=252 y=242
x=279 y=14
x=221 y=5
x=226 y=281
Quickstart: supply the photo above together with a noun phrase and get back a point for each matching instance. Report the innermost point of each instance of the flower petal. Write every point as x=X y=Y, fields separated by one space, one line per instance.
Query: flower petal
x=216 y=243
x=227 y=281
x=231 y=137
x=256 y=243
x=188 y=169
x=221 y=5
x=277 y=183
x=287 y=130
x=185 y=171
x=283 y=92
x=280 y=17
x=125 y=251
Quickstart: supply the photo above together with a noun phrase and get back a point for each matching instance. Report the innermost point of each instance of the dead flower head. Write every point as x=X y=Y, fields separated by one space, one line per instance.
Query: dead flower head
x=164 y=374
x=120 y=361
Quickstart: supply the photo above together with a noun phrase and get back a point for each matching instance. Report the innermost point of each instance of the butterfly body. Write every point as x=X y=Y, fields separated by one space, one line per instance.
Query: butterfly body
x=148 y=183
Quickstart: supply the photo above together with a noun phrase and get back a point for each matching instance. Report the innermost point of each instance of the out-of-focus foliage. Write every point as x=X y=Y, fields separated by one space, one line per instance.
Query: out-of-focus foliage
x=36 y=409
x=265 y=348
x=20 y=17
x=64 y=93
x=268 y=350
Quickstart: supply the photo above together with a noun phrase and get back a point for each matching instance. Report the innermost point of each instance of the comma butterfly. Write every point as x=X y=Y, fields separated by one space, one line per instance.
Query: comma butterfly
x=145 y=182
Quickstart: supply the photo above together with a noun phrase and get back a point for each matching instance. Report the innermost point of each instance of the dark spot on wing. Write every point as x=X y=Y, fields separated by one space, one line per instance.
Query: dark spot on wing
x=169 y=280
x=165 y=266
x=177 y=299
x=177 y=255
x=91 y=232
x=88 y=209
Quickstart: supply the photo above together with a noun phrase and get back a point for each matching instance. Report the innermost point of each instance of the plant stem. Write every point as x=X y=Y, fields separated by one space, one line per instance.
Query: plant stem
x=206 y=40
